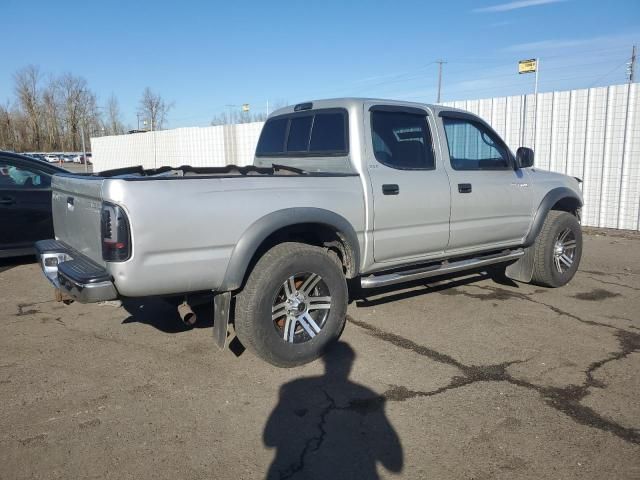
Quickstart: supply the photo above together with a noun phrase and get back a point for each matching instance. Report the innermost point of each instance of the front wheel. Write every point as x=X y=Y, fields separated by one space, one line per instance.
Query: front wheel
x=293 y=305
x=557 y=250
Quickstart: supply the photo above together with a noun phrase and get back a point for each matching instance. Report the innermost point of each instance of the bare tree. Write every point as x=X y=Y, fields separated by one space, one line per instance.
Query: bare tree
x=114 y=125
x=21 y=131
x=7 y=132
x=78 y=107
x=51 y=116
x=154 y=108
x=27 y=91
x=220 y=119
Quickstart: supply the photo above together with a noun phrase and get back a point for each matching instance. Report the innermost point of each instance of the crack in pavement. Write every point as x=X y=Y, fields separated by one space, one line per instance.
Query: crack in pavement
x=609 y=274
x=615 y=283
x=313 y=444
x=498 y=293
x=566 y=399
x=629 y=343
x=362 y=406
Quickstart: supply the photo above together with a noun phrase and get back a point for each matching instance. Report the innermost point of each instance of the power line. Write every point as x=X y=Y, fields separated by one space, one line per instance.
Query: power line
x=508 y=85
x=609 y=73
x=357 y=87
x=550 y=69
x=371 y=83
x=474 y=78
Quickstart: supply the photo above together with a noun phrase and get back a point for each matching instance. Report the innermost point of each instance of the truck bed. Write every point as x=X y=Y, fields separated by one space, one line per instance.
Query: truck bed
x=139 y=172
x=185 y=222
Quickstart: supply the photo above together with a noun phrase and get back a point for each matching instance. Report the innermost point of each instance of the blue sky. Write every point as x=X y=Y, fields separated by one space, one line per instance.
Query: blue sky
x=205 y=55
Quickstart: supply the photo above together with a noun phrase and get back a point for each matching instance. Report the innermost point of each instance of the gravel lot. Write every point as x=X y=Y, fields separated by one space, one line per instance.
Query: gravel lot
x=466 y=378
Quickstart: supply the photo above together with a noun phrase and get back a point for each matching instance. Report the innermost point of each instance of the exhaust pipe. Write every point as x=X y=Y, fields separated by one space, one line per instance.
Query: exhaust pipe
x=187 y=315
x=62 y=297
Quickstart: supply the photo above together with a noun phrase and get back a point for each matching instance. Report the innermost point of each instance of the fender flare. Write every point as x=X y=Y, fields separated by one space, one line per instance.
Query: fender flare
x=550 y=199
x=262 y=228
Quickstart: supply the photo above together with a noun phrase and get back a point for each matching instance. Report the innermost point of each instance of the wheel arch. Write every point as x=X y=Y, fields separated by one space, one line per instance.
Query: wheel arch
x=560 y=198
x=315 y=226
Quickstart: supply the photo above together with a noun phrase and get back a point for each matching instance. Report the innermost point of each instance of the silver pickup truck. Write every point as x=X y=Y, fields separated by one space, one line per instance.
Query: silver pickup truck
x=366 y=192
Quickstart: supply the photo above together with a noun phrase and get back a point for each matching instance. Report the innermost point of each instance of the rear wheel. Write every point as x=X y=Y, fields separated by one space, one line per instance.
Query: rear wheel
x=293 y=305
x=557 y=250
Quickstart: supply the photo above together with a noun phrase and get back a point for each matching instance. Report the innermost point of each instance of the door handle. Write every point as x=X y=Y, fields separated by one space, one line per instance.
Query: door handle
x=464 y=188
x=390 y=189
x=7 y=201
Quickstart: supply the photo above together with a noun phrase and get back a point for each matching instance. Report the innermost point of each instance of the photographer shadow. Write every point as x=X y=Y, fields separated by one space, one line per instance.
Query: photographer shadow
x=328 y=427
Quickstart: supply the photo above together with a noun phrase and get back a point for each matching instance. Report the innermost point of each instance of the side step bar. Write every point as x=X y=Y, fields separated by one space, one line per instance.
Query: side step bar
x=442 y=268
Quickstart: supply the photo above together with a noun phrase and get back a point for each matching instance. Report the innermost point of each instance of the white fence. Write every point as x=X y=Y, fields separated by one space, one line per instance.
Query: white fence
x=593 y=134
x=196 y=146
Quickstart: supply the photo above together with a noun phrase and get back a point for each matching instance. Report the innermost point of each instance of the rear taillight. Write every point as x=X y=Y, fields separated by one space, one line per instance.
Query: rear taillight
x=116 y=236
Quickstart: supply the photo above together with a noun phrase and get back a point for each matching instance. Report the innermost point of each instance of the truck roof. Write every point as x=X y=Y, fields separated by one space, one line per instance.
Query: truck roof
x=355 y=102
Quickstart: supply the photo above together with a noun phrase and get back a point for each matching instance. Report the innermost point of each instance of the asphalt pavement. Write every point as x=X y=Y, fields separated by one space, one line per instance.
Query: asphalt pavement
x=463 y=378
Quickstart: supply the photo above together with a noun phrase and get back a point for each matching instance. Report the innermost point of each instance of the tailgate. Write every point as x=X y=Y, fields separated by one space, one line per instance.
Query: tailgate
x=76 y=203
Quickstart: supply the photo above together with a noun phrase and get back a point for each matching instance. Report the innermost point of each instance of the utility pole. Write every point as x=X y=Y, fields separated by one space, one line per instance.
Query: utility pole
x=535 y=91
x=439 y=62
x=84 y=150
x=138 y=115
x=631 y=66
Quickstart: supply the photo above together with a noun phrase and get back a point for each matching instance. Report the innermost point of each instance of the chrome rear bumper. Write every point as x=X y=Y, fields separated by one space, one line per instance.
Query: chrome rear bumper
x=73 y=274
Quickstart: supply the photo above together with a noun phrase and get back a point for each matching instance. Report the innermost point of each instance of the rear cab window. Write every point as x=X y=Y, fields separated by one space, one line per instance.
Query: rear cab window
x=321 y=132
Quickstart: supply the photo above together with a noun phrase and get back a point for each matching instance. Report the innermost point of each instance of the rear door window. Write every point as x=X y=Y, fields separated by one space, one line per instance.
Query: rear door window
x=402 y=140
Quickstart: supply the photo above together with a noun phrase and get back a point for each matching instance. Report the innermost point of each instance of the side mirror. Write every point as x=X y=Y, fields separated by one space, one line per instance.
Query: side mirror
x=524 y=157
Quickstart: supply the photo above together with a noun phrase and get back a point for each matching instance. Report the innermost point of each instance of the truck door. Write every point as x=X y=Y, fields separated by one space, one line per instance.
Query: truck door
x=411 y=196
x=491 y=201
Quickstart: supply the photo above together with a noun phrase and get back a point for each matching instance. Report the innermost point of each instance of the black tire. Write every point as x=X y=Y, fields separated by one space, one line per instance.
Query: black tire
x=254 y=325
x=546 y=271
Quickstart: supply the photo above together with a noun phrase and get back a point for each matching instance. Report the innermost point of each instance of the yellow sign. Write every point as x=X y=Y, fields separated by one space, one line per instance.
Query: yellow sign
x=245 y=107
x=527 y=66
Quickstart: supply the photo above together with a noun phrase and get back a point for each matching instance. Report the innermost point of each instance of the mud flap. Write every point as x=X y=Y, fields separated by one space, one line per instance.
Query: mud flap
x=221 y=317
x=522 y=269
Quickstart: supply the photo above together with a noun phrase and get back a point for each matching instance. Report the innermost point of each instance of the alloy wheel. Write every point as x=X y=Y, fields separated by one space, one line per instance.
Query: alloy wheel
x=301 y=307
x=564 y=250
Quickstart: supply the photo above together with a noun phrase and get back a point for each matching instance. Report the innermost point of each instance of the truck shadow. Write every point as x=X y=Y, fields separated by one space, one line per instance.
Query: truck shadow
x=12 y=262
x=163 y=315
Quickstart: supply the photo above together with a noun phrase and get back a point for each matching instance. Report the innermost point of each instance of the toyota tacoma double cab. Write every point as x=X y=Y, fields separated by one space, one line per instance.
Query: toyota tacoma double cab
x=359 y=192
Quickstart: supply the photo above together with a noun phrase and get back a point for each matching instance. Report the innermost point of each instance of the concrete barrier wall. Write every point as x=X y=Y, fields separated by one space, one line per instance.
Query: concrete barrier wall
x=593 y=134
